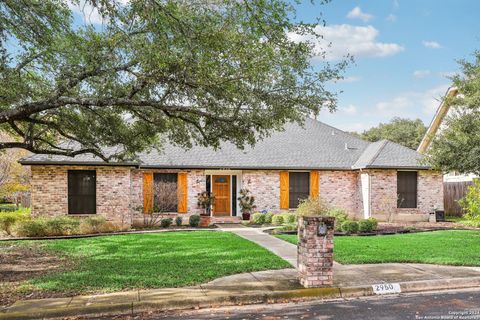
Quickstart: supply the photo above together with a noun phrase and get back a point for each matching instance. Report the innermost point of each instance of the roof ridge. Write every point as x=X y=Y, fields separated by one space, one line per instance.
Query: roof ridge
x=342 y=131
x=375 y=156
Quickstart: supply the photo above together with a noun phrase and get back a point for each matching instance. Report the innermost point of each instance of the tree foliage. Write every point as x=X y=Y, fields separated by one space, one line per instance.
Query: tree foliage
x=406 y=132
x=184 y=71
x=14 y=178
x=457 y=146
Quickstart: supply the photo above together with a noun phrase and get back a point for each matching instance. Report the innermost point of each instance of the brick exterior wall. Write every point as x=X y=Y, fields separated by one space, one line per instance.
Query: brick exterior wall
x=265 y=187
x=339 y=189
x=384 y=194
x=50 y=191
x=195 y=184
x=120 y=191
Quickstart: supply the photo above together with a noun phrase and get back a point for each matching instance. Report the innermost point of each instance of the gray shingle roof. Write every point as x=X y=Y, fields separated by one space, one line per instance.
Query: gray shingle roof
x=316 y=145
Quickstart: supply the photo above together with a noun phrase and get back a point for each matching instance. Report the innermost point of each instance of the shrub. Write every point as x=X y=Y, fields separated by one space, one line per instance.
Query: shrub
x=277 y=220
x=374 y=223
x=166 y=222
x=289 y=218
x=350 y=227
x=312 y=207
x=471 y=204
x=340 y=217
x=365 y=225
x=286 y=228
x=268 y=217
x=258 y=218
x=194 y=220
x=60 y=226
x=31 y=228
x=178 y=221
x=94 y=225
x=8 y=220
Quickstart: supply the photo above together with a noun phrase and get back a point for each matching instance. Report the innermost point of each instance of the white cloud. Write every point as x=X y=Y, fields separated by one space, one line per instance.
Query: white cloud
x=348 y=39
x=357 y=13
x=349 y=110
x=391 y=18
x=421 y=73
x=408 y=103
x=431 y=44
x=396 y=4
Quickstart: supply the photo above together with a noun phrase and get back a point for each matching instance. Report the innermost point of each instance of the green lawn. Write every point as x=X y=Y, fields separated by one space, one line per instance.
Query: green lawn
x=170 y=259
x=456 y=247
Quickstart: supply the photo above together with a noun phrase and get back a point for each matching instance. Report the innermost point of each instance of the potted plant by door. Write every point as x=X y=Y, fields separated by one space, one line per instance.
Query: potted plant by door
x=246 y=203
x=205 y=201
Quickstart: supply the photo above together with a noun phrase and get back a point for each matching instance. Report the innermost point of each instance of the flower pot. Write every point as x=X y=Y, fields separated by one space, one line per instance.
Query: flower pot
x=205 y=221
x=246 y=216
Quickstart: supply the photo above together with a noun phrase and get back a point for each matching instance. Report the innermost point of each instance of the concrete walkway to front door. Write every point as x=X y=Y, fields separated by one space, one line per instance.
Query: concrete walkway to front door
x=283 y=249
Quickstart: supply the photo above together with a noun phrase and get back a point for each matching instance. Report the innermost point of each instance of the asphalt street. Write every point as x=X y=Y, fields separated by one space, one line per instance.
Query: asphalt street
x=444 y=305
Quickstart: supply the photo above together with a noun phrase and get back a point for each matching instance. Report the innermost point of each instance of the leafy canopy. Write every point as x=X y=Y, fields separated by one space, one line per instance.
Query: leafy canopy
x=188 y=72
x=457 y=146
x=406 y=132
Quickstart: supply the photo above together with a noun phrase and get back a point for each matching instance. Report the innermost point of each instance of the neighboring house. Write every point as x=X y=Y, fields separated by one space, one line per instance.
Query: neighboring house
x=455 y=184
x=381 y=179
x=436 y=125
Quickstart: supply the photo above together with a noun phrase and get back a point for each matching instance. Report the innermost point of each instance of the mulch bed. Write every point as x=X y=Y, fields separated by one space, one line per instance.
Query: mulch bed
x=388 y=228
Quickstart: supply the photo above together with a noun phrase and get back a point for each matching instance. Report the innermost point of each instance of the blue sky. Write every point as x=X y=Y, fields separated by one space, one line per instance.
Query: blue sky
x=404 y=50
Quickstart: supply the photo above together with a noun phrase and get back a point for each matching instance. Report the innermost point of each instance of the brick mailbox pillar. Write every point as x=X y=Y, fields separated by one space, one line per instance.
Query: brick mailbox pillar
x=315 y=251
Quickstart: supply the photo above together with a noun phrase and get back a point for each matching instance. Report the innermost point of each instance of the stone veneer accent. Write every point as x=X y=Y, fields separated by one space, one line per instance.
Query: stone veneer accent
x=315 y=252
x=50 y=191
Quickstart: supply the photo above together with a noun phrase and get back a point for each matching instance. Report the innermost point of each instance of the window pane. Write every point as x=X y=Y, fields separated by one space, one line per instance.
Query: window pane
x=165 y=192
x=299 y=185
x=407 y=189
x=82 y=192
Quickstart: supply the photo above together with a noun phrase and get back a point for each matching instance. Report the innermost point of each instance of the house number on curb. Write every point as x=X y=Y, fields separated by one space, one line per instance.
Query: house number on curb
x=386 y=288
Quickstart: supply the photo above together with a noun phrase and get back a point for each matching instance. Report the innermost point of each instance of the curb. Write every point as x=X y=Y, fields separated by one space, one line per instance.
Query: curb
x=231 y=298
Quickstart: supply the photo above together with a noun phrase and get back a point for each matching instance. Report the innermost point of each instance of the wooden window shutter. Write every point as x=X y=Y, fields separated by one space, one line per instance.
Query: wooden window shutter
x=284 y=190
x=314 y=184
x=147 y=192
x=182 y=192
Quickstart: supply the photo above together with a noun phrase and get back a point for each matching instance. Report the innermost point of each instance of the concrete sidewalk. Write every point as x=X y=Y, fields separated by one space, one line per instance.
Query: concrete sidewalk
x=251 y=288
x=283 y=249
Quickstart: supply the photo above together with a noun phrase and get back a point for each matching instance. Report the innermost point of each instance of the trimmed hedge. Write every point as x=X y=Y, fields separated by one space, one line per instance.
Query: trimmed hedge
x=268 y=217
x=194 y=220
x=367 y=225
x=178 y=221
x=277 y=219
x=258 y=218
x=289 y=218
x=350 y=227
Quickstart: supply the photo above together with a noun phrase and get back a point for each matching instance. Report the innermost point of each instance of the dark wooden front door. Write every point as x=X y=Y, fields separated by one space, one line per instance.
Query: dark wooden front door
x=221 y=190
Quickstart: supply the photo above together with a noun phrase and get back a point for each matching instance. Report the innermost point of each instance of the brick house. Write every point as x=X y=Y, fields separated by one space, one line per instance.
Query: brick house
x=381 y=179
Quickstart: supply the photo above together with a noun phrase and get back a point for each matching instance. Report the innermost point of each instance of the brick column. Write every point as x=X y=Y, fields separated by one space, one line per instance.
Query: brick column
x=315 y=251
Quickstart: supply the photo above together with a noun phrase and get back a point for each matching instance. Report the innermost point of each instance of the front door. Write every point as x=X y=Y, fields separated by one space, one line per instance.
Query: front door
x=221 y=190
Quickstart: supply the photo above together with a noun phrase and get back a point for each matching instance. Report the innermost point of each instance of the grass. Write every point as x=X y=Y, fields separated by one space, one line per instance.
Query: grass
x=11 y=209
x=456 y=247
x=171 y=259
x=454 y=218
